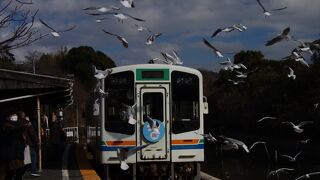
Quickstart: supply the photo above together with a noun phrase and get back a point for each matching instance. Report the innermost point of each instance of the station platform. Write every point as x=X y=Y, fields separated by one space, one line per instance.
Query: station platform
x=69 y=162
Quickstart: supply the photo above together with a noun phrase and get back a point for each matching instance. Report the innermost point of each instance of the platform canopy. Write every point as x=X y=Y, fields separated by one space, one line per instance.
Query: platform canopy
x=17 y=86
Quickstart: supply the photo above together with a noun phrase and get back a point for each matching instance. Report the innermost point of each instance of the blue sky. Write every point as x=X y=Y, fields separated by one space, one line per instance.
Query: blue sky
x=183 y=24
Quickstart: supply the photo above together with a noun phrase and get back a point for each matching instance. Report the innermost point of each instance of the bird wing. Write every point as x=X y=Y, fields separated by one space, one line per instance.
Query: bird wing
x=216 y=32
x=288 y=123
x=45 y=24
x=24 y=2
x=285 y=31
x=138 y=19
x=255 y=143
x=274 y=40
x=278 y=9
x=69 y=29
x=291 y=70
x=135 y=149
x=287 y=156
x=124 y=41
x=109 y=33
x=304 y=123
x=91 y=8
x=209 y=45
x=260 y=4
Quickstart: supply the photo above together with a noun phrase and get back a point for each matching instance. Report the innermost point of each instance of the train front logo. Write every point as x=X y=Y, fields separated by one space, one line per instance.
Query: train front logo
x=153 y=132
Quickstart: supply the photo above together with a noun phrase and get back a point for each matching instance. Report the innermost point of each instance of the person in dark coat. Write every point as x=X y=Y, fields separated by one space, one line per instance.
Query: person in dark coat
x=56 y=138
x=32 y=140
x=12 y=148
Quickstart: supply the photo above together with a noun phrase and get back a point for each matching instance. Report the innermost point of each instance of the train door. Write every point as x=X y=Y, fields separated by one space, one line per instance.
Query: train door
x=153 y=125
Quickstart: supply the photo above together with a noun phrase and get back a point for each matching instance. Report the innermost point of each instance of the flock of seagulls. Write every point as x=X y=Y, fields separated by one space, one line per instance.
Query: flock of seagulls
x=227 y=143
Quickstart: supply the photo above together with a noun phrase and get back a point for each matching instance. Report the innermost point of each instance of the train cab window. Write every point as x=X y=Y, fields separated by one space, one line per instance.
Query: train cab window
x=153 y=105
x=121 y=92
x=185 y=102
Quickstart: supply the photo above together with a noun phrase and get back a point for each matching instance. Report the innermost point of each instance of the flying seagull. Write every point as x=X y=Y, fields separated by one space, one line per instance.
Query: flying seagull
x=267 y=13
x=280 y=170
x=120 y=38
x=291 y=74
x=266 y=117
x=152 y=38
x=54 y=32
x=127 y=3
x=123 y=16
x=208 y=136
x=230 y=143
x=124 y=153
x=130 y=113
x=173 y=60
x=102 y=9
x=235 y=82
x=215 y=50
x=101 y=74
x=297 y=128
x=308 y=176
x=291 y=159
x=153 y=124
x=238 y=27
x=141 y=28
x=282 y=36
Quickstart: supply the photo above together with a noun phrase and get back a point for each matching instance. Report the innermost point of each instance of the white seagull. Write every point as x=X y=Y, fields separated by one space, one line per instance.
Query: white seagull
x=152 y=38
x=173 y=60
x=120 y=38
x=54 y=32
x=230 y=143
x=127 y=3
x=238 y=27
x=215 y=50
x=291 y=74
x=209 y=137
x=101 y=9
x=297 y=128
x=266 y=117
x=280 y=170
x=267 y=13
x=280 y=37
x=130 y=113
x=291 y=159
x=235 y=82
x=124 y=153
x=141 y=28
x=308 y=176
x=101 y=74
x=124 y=16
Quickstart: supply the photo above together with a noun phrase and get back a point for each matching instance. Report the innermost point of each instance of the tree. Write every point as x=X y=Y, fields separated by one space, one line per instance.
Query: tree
x=79 y=61
x=16 y=28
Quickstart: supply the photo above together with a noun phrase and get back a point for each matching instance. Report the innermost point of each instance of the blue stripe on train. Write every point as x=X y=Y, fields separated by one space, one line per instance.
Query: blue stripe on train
x=194 y=146
x=173 y=147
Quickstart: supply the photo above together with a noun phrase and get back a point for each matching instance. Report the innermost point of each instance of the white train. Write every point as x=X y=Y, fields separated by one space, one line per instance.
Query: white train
x=173 y=97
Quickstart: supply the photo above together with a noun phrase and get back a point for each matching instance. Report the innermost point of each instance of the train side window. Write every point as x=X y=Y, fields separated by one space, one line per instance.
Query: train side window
x=121 y=91
x=185 y=102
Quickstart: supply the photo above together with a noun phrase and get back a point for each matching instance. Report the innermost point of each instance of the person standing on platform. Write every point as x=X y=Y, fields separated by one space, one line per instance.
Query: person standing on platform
x=12 y=148
x=33 y=142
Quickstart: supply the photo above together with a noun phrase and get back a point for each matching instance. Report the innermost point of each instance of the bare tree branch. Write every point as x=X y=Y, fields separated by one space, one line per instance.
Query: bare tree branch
x=17 y=25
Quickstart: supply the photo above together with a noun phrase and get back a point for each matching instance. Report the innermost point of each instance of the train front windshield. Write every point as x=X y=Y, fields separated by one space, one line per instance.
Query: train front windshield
x=121 y=91
x=185 y=102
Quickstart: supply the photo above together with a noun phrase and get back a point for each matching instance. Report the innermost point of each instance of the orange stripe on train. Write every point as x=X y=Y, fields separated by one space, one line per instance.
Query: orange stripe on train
x=185 y=141
x=121 y=143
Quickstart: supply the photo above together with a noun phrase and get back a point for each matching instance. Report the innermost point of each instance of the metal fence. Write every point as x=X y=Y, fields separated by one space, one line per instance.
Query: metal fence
x=72 y=134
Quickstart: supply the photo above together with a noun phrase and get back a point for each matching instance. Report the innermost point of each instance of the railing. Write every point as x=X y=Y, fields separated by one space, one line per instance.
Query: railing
x=72 y=134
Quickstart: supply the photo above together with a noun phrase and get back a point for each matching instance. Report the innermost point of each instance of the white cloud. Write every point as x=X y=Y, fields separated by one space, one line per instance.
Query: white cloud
x=183 y=24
